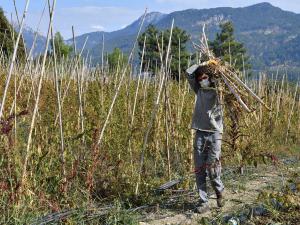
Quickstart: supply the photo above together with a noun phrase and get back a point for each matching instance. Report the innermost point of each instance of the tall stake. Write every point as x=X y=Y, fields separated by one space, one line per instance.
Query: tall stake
x=291 y=113
x=99 y=141
x=102 y=55
x=156 y=107
x=134 y=104
x=58 y=98
x=13 y=59
x=80 y=119
x=27 y=153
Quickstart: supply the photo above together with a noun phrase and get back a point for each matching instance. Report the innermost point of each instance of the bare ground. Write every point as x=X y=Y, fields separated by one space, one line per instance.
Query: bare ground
x=240 y=192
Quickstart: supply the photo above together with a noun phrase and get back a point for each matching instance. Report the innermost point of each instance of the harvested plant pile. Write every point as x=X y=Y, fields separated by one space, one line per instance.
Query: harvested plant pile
x=228 y=83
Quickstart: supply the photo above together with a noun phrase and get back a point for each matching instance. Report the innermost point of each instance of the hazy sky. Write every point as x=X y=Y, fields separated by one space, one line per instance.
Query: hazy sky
x=109 y=15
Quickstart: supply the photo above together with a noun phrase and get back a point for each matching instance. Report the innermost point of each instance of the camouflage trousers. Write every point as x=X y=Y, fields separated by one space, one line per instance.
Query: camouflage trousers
x=207 y=152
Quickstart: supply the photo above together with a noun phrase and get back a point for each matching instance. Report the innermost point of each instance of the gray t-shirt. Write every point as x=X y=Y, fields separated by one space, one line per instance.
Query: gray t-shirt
x=208 y=113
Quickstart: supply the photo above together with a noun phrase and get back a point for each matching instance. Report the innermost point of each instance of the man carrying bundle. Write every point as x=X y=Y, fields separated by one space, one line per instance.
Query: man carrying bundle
x=208 y=123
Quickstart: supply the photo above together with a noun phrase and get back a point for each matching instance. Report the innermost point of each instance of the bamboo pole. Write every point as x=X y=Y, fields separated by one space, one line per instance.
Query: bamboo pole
x=153 y=115
x=291 y=114
x=234 y=92
x=135 y=103
x=27 y=153
x=58 y=98
x=161 y=53
x=79 y=94
x=13 y=59
x=120 y=84
x=19 y=24
x=102 y=55
x=249 y=90
x=167 y=147
x=15 y=78
x=73 y=74
x=279 y=99
x=99 y=141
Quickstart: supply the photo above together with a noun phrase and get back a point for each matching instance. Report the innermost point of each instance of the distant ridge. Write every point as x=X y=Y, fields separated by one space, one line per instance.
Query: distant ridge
x=270 y=34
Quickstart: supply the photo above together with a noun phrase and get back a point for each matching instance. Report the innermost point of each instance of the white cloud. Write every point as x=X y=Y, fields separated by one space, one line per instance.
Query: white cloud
x=97 y=27
x=185 y=2
x=92 y=17
x=85 y=19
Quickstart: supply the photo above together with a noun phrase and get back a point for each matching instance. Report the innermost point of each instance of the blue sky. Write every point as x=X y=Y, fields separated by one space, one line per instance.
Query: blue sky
x=109 y=15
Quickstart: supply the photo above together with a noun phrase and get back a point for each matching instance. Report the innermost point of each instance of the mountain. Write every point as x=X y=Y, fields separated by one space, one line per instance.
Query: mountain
x=265 y=30
x=29 y=35
x=151 y=18
x=123 y=38
x=270 y=34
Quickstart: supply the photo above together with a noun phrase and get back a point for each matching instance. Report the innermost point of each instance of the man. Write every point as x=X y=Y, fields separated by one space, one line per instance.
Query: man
x=208 y=123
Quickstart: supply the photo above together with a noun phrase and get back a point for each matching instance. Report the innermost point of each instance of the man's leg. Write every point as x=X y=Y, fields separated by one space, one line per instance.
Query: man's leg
x=214 y=163
x=200 y=156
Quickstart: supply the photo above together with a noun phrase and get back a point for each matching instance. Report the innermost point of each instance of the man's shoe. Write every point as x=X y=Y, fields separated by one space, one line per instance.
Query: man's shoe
x=220 y=201
x=202 y=208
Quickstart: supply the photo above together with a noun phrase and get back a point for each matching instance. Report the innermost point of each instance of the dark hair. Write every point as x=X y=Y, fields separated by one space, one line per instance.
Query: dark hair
x=204 y=70
x=200 y=71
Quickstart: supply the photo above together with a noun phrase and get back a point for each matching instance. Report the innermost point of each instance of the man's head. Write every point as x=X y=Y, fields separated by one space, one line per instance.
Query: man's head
x=201 y=75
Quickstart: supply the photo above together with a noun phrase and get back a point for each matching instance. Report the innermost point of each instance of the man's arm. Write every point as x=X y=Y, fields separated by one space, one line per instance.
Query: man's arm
x=193 y=83
x=191 y=78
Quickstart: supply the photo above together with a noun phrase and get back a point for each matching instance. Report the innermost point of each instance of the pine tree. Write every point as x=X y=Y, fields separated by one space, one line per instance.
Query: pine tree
x=116 y=58
x=228 y=49
x=179 y=53
x=62 y=50
x=156 y=39
x=151 y=60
